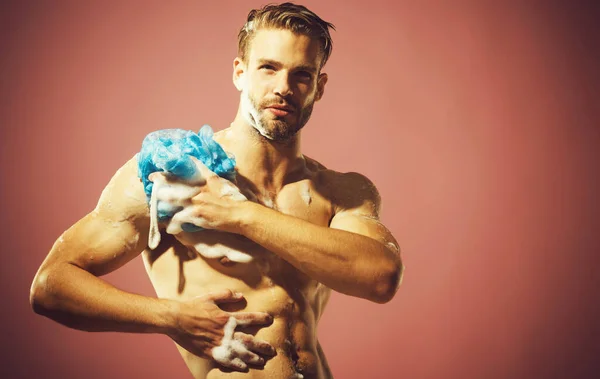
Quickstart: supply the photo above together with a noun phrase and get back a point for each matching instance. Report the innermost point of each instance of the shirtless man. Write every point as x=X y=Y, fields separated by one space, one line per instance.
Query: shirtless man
x=306 y=230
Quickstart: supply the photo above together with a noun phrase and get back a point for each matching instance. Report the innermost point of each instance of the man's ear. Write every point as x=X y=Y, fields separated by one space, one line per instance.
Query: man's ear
x=239 y=69
x=321 y=81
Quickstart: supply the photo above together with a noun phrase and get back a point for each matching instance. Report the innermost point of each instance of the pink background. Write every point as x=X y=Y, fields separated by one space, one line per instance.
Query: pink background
x=478 y=123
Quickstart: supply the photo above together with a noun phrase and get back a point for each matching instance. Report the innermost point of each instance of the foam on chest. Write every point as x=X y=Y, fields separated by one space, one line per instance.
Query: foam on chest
x=172 y=197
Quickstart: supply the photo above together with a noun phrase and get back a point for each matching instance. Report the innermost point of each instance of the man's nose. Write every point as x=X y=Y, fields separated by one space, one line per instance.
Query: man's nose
x=282 y=84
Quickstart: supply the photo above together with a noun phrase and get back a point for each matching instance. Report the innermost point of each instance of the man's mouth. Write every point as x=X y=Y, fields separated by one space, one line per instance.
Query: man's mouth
x=280 y=110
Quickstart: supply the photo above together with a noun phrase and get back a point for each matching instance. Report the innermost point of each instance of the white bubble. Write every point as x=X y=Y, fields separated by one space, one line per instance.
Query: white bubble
x=305 y=193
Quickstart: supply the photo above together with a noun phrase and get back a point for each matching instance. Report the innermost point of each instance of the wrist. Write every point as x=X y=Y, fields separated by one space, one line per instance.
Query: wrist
x=244 y=216
x=166 y=322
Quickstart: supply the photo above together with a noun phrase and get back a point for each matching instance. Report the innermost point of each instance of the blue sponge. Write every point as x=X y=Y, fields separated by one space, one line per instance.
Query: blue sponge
x=169 y=150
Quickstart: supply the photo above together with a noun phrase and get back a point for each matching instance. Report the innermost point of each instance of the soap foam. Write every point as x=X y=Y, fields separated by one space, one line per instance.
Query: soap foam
x=230 y=348
x=154 y=234
x=305 y=193
x=219 y=251
x=267 y=202
x=225 y=352
x=393 y=246
x=250 y=112
x=267 y=199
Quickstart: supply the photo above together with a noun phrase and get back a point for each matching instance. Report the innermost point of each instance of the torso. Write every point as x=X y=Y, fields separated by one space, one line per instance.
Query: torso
x=268 y=283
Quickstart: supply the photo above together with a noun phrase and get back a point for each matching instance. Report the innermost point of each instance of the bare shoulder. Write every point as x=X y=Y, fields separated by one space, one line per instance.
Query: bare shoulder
x=124 y=196
x=113 y=233
x=313 y=165
x=346 y=190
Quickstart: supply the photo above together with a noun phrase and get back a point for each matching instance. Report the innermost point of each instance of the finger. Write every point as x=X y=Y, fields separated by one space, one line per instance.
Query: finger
x=223 y=356
x=223 y=296
x=188 y=215
x=254 y=344
x=238 y=364
x=252 y=318
x=204 y=171
x=170 y=178
x=167 y=208
x=242 y=352
x=177 y=192
x=157 y=176
x=229 y=189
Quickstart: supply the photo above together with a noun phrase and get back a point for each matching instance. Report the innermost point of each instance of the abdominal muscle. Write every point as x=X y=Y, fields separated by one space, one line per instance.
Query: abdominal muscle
x=268 y=284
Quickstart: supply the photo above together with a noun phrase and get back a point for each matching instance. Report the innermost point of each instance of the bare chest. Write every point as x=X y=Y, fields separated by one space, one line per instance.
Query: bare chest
x=202 y=260
x=302 y=199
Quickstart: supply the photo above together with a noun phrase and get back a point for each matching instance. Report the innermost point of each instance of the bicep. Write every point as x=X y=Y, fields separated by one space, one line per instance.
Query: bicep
x=113 y=233
x=358 y=212
x=365 y=225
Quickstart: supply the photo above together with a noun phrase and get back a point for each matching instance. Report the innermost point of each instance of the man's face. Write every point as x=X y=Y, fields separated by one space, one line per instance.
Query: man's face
x=280 y=82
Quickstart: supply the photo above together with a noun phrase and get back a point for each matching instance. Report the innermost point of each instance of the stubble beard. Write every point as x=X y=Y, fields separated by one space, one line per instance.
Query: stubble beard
x=277 y=130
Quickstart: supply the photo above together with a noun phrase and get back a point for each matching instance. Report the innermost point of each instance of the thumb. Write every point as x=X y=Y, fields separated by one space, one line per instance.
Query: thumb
x=202 y=169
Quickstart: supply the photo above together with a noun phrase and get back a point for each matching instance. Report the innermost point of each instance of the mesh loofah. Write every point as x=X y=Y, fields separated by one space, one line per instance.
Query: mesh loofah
x=169 y=150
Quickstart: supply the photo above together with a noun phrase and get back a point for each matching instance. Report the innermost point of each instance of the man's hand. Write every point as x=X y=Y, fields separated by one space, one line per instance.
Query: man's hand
x=205 y=330
x=210 y=203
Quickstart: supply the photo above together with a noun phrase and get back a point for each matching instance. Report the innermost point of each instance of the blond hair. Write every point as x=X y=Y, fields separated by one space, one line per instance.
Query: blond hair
x=295 y=18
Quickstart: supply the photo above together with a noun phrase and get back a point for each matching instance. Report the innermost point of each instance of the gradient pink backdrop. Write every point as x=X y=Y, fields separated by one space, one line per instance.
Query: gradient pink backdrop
x=477 y=122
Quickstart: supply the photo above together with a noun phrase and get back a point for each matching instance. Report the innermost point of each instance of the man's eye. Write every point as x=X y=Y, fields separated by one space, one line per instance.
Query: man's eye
x=267 y=67
x=304 y=74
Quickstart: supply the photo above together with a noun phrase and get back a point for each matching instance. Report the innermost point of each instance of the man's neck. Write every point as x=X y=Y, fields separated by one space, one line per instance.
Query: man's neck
x=267 y=164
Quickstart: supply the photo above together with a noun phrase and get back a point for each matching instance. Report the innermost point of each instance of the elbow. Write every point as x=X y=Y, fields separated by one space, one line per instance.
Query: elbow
x=40 y=297
x=387 y=284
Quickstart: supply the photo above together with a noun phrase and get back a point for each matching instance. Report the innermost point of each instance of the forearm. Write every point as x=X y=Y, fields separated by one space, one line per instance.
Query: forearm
x=345 y=262
x=76 y=298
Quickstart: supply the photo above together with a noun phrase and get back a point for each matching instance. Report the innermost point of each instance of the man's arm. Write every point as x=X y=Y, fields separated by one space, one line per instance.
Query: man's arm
x=67 y=287
x=356 y=255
